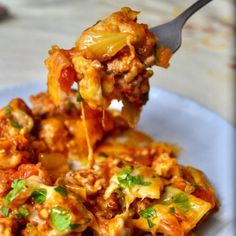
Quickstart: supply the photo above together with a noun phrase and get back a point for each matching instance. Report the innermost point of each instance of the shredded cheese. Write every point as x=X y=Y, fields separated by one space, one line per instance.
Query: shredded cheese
x=88 y=140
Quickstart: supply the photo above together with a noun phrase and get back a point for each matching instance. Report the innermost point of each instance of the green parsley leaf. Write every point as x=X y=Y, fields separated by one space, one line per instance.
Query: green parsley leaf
x=15 y=124
x=17 y=185
x=39 y=195
x=7 y=111
x=182 y=201
x=60 y=218
x=23 y=211
x=171 y=210
x=150 y=223
x=127 y=180
x=79 y=97
x=4 y=211
x=148 y=212
x=17 y=216
x=124 y=173
x=139 y=180
x=62 y=190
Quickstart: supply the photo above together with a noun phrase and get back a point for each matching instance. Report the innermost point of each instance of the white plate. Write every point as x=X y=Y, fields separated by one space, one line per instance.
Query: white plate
x=206 y=139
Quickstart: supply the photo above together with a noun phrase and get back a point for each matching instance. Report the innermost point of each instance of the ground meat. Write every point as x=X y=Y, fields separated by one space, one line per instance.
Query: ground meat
x=105 y=209
x=87 y=179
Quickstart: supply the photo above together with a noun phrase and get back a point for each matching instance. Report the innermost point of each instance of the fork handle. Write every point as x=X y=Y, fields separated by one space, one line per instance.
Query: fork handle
x=183 y=17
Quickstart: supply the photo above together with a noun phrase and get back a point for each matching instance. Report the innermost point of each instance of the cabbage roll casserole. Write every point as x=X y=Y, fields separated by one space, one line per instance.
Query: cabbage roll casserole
x=72 y=165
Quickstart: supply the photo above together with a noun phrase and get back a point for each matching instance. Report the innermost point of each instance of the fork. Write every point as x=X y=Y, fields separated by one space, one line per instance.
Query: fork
x=170 y=33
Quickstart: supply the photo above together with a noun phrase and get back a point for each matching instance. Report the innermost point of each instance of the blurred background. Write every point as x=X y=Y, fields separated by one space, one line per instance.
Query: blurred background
x=202 y=70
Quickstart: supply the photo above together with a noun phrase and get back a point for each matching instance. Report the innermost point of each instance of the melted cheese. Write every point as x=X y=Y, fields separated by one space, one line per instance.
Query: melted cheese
x=88 y=140
x=158 y=222
x=151 y=190
x=78 y=213
x=198 y=207
x=165 y=221
x=116 y=226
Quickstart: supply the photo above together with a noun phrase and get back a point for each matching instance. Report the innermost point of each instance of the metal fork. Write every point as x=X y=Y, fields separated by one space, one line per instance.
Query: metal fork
x=170 y=33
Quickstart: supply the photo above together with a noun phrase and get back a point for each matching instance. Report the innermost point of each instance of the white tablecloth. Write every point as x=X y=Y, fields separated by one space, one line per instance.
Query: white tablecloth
x=201 y=70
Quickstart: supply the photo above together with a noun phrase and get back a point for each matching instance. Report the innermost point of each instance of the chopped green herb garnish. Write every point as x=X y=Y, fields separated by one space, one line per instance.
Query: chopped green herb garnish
x=124 y=173
x=18 y=182
x=103 y=154
x=23 y=213
x=17 y=216
x=17 y=185
x=79 y=97
x=147 y=213
x=150 y=223
x=60 y=218
x=39 y=195
x=7 y=111
x=127 y=180
x=62 y=190
x=171 y=210
x=182 y=201
x=4 y=211
x=15 y=124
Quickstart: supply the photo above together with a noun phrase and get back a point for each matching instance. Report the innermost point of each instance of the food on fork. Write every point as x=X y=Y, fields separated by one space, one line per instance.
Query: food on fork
x=69 y=165
x=110 y=60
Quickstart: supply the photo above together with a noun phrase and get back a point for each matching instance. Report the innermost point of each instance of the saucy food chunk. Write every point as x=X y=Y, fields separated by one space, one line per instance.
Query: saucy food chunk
x=110 y=60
